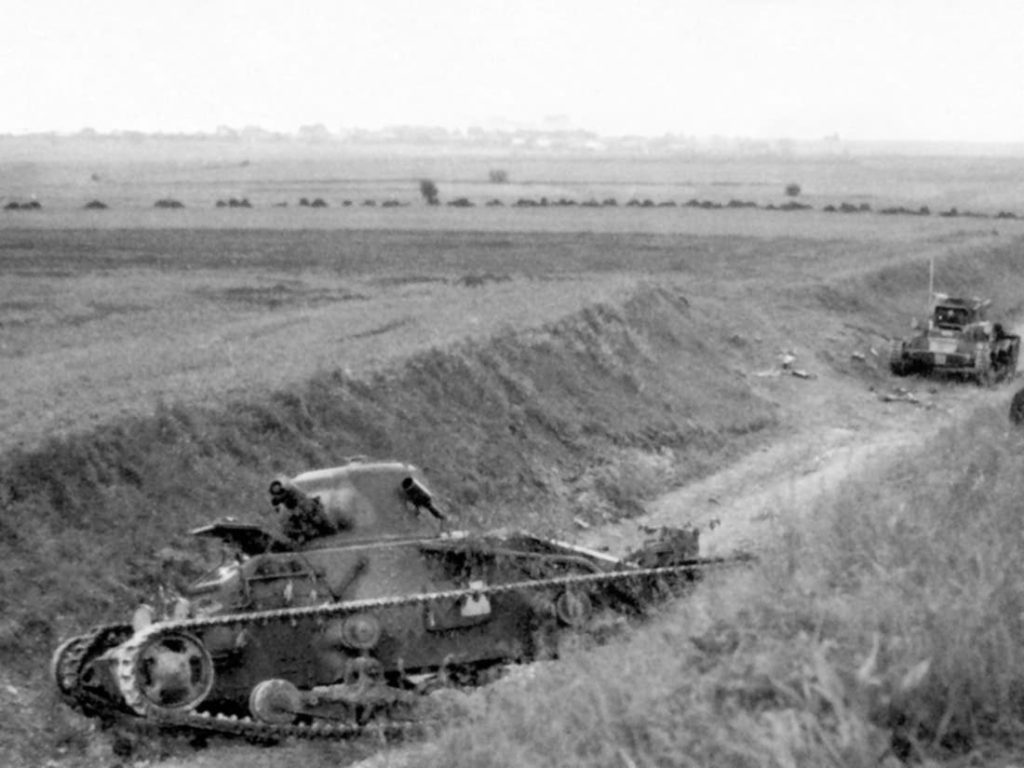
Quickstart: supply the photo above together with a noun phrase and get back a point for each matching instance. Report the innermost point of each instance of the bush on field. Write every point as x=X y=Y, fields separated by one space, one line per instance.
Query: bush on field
x=428 y=189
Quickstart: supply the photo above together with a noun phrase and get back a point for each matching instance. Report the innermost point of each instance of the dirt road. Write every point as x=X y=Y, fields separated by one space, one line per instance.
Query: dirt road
x=835 y=427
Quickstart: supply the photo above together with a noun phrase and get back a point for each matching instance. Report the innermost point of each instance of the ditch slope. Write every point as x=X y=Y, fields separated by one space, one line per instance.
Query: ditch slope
x=750 y=401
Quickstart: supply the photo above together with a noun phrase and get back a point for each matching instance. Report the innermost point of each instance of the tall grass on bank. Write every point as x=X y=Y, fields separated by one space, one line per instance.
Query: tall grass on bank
x=929 y=559
x=886 y=625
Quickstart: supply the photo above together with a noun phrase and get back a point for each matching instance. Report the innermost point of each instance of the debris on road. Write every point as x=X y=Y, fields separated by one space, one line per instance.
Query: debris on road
x=900 y=395
x=786 y=360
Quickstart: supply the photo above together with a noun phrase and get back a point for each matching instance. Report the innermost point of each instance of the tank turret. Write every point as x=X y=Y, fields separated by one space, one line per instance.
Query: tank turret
x=358 y=501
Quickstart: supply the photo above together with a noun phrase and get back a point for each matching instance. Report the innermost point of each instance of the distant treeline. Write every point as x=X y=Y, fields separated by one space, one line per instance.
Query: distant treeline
x=565 y=202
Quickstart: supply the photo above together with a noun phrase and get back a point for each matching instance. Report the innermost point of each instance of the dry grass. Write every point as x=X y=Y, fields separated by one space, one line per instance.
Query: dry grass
x=118 y=332
x=260 y=352
x=889 y=629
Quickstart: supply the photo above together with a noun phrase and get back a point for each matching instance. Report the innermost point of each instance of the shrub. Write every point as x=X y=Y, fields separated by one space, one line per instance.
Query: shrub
x=428 y=189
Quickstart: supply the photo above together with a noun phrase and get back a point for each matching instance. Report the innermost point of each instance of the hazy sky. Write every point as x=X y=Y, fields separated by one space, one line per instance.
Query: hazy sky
x=865 y=69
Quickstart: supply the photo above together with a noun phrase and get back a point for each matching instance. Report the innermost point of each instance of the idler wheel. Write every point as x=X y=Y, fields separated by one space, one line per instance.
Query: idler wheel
x=573 y=608
x=65 y=663
x=174 y=672
x=275 y=701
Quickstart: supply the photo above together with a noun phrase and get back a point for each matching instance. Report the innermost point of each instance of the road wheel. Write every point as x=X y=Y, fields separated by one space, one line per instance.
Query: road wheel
x=165 y=673
x=275 y=701
x=898 y=362
x=1017 y=408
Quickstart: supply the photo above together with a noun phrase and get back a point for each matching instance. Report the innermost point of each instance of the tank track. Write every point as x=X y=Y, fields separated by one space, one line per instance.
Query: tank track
x=69 y=665
x=139 y=715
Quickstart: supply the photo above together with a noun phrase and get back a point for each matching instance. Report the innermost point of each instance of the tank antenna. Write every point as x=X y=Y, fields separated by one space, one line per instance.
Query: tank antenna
x=931 y=283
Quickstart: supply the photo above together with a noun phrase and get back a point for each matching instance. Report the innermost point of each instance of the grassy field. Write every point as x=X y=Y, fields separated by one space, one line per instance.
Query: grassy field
x=104 y=323
x=155 y=374
x=64 y=174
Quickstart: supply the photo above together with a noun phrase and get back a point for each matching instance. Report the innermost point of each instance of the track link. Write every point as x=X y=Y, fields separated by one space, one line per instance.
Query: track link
x=69 y=666
x=137 y=713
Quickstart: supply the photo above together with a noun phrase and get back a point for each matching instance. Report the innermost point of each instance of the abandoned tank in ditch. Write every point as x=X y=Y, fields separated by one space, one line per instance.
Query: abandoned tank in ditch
x=361 y=605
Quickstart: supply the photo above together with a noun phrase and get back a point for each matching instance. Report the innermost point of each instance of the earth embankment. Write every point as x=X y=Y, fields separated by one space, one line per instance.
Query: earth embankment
x=582 y=419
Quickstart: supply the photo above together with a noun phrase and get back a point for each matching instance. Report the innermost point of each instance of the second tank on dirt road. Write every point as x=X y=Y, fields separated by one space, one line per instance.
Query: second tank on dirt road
x=959 y=340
